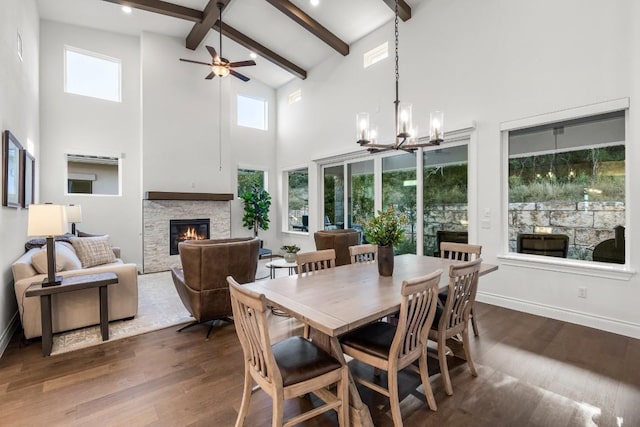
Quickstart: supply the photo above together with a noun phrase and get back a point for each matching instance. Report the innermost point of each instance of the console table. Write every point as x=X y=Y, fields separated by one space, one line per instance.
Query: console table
x=70 y=284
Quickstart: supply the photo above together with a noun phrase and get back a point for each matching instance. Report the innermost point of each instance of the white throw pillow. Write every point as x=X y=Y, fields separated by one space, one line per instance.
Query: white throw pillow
x=66 y=259
x=93 y=250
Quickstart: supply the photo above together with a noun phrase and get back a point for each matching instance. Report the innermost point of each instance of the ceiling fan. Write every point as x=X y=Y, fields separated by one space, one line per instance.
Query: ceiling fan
x=220 y=66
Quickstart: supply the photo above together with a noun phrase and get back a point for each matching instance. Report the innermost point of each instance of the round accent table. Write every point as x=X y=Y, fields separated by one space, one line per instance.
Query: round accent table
x=280 y=263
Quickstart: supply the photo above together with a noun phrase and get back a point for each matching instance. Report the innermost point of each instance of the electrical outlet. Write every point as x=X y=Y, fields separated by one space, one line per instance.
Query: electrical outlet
x=582 y=292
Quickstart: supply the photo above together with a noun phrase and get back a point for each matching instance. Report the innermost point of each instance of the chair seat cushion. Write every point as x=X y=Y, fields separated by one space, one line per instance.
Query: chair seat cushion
x=299 y=360
x=438 y=315
x=375 y=339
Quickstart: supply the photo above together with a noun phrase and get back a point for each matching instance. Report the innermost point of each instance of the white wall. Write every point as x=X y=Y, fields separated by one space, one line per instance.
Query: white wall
x=489 y=62
x=19 y=94
x=181 y=132
x=82 y=125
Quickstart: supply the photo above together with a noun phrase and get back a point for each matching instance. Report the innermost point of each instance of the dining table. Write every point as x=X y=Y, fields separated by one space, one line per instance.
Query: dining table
x=338 y=300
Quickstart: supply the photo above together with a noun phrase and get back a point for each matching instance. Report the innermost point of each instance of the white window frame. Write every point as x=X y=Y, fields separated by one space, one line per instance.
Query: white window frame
x=570 y=266
x=79 y=51
x=265 y=104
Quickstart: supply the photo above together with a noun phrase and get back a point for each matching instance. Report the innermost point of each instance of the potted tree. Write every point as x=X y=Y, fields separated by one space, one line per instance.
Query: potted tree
x=257 y=202
x=290 y=252
x=386 y=230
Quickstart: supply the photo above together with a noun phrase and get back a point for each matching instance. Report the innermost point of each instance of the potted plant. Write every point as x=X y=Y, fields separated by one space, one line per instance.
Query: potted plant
x=290 y=252
x=386 y=230
x=257 y=202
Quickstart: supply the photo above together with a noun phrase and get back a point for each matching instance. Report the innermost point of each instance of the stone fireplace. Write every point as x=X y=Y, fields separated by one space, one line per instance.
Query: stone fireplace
x=207 y=214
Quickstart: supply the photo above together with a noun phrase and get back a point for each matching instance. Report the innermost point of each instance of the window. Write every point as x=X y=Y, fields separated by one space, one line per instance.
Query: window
x=252 y=112
x=567 y=187
x=376 y=54
x=91 y=74
x=333 y=197
x=445 y=194
x=399 y=191
x=297 y=191
x=249 y=178
x=93 y=174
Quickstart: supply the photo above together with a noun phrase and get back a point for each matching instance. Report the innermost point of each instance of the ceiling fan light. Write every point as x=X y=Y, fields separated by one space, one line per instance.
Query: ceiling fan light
x=220 y=70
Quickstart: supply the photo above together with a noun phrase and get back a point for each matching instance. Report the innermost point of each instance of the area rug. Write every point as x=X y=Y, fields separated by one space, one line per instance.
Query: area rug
x=159 y=307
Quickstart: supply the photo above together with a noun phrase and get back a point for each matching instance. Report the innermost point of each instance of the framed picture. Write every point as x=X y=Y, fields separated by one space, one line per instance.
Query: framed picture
x=11 y=173
x=28 y=183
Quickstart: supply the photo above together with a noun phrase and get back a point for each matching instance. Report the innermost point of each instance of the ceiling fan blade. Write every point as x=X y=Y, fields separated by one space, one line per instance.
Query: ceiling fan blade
x=238 y=75
x=194 y=62
x=243 y=63
x=212 y=51
x=210 y=76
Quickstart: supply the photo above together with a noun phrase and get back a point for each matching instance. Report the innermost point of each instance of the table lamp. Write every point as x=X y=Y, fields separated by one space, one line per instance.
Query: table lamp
x=48 y=220
x=74 y=215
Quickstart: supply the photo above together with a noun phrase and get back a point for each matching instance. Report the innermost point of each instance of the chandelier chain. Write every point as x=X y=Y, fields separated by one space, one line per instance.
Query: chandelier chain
x=396 y=36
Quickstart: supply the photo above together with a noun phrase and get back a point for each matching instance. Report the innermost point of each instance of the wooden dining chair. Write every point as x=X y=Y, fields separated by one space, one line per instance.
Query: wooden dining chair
x=363 y=253
x=392 y=348
x=316 y=260
x=460 y=252
x=287 y=369
x=453 y=319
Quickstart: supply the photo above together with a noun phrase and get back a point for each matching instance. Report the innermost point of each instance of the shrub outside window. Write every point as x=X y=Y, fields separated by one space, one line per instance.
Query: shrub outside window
x=297 y=199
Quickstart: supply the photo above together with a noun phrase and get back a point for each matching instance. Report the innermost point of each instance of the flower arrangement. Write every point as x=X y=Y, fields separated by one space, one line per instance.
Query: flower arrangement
x=386 y=228
x=290 y=249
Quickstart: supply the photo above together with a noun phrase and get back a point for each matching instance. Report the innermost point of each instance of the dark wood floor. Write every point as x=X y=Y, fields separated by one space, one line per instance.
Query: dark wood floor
x=532 y=372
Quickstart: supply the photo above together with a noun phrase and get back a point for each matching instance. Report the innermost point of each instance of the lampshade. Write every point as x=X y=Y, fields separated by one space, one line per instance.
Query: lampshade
x=220 y=70
x=47 y=220
x=74 y=213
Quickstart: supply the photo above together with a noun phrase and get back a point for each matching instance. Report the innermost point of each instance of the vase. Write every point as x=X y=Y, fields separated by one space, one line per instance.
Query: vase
x=385 y=260
x=290 y=257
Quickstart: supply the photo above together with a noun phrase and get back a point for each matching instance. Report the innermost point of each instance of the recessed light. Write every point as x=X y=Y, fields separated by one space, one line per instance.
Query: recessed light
x=127 y=9
x=253 y=55
x=314 y=2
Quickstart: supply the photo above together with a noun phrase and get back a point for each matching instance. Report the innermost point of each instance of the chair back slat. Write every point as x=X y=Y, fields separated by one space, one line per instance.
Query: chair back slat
x=314 y=261
x=363 y=253
x=463 y=285
x=249 y=315
x=460 y=251
x=417 y=310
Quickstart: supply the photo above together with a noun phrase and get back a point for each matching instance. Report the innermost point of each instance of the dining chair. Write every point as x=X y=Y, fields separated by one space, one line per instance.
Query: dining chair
x=287 y=369
x=392 y=348
x=316 y=260
x=453 y=319
x=363 y=253
x=460 y=252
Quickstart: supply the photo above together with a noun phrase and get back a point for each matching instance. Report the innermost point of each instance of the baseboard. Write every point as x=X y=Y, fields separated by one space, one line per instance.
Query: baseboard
x=608 y=324
x=8 y=333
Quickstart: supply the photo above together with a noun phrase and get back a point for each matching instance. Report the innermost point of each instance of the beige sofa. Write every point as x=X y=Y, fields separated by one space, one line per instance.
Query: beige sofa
x=72 y=310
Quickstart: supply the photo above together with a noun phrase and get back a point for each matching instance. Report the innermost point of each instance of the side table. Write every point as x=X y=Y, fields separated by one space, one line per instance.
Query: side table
x=70 y=284
x=280 y=263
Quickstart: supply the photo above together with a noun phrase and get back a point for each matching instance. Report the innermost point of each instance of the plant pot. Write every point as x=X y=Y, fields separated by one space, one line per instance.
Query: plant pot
x=385 y=260
x=290 y=257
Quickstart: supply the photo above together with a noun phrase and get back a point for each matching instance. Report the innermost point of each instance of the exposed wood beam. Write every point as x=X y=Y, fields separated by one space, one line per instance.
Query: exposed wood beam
x=261 y=50
x=404 y=10
x=311 y=25
x=201 y=29
x=163 y=8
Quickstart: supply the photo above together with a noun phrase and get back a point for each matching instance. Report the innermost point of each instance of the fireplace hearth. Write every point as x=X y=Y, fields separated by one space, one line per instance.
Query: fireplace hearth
x=186 y=229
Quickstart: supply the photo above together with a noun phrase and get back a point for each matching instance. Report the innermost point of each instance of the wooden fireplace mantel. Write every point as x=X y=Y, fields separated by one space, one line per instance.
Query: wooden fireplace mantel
x=169 y=195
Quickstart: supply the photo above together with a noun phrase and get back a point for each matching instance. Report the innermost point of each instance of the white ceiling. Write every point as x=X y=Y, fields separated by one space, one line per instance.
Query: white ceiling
x=350 y=20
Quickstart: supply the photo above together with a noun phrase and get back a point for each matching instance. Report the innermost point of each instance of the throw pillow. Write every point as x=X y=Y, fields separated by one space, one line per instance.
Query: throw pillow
x=66 y=259
x=93 y=251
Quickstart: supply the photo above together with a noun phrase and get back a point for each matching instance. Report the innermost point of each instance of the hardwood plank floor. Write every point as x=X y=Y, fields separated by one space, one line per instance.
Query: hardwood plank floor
x=533 y=371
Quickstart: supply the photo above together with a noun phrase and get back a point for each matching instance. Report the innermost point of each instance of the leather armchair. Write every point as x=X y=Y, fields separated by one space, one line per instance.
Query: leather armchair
x=340 y=240
x=202 y=280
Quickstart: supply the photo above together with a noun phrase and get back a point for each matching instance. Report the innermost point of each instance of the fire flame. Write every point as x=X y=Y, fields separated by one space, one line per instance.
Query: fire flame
x=191 y=234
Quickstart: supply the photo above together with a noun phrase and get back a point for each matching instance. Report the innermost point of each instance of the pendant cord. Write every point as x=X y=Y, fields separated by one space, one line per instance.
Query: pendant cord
x=220 y=124
x=220 y=5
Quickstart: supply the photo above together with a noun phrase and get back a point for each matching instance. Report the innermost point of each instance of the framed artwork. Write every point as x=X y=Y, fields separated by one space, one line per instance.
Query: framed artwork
x=28 y=182
x=11 y=173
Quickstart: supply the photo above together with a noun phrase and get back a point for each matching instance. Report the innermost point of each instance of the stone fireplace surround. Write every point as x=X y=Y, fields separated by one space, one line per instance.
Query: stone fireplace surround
x=158 y=208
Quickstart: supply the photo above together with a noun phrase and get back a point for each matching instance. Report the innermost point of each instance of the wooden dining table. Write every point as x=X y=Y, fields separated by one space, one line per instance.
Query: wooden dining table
x=338 y=300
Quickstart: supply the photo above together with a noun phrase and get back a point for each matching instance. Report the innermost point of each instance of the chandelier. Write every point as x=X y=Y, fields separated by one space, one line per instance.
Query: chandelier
x=406 y=134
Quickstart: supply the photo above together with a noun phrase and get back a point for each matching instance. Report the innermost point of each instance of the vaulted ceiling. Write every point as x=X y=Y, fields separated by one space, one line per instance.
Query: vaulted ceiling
x=289 y=36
